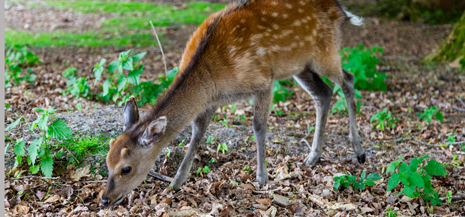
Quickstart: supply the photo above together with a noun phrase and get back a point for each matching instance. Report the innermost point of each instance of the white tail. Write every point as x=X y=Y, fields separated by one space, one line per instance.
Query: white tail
x=354 y=19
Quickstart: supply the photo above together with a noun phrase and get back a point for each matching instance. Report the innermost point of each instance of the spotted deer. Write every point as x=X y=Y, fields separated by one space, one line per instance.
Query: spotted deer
x=234 y=54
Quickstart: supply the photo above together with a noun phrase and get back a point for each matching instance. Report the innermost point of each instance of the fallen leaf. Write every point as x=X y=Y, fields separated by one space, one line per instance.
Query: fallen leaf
x=76 y=175
x=263 y=201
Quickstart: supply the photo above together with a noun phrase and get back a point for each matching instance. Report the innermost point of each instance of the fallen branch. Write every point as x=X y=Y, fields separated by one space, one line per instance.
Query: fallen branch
x=36 y=177
x=267 y=192
x=460 y=100
x=425 y=143
x=161 y=49
x=454 y=197
x=160 y=176
x=444 y=105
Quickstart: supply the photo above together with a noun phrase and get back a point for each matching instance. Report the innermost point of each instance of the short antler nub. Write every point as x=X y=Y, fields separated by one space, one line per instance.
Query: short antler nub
x=130 y=113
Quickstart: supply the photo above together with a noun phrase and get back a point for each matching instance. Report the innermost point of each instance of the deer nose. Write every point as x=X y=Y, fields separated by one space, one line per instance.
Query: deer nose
x=105 y=201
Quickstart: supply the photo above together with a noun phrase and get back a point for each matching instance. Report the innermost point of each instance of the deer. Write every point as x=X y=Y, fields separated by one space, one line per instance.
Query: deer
x=236 y=54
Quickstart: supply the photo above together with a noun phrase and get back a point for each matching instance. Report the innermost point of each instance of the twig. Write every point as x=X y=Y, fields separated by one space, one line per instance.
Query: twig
x=454 y=197
x=460 y=100
x=37 y=177
x=266 y=192
x=425 y=143
x=160 y=176
x=99 y=181
x=458 y=109
x=163 y=54
x=444 y=105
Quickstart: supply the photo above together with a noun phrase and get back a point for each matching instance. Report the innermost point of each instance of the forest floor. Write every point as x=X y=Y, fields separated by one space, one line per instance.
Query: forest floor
x=229 y=188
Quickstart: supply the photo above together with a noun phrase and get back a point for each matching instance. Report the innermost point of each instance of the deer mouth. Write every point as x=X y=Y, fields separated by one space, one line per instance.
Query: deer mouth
x=119 y=200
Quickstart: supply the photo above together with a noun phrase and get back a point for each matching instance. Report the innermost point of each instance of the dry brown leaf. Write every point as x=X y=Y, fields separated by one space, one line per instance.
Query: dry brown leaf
x=76 y=175
x=52 y=199
x=264 y=201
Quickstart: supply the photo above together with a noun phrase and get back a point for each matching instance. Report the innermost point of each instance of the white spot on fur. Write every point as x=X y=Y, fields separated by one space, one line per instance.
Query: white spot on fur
x=255 y=37
x=275 y=48
x=302 y=2
x=297 y=23
x=300 y=10
x=275 y=26
x=285 y=16
x=288 y=6
x=263 y=19
x=286 y=32
x=261 y=51
x=274 y=3
x=274 y=14
x=301 y=43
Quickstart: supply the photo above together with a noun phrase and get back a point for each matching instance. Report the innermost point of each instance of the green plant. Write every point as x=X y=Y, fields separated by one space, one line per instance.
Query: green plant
x=280 y=93
x=201 y=171
x=17 y=58
x=427 y=114
x=384 y=119
x=117 y=85
x=346 y=181
x=223 y=148
x=211 y=161
x=84 y=146
x=455 y=162
x=246 y=168
x=76 y=86
x=40 y=147
x=416 y=178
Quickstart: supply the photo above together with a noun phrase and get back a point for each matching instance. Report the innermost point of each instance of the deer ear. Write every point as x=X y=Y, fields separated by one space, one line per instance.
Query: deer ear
x=154 y=132
x=130 y=113
x=124 y=152
x=111 y=142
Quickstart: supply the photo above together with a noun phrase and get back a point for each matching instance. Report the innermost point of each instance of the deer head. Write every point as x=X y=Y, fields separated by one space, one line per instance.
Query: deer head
x=131 y=155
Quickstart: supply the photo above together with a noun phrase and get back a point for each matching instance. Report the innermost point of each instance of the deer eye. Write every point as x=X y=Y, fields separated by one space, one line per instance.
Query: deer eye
x=125 y=170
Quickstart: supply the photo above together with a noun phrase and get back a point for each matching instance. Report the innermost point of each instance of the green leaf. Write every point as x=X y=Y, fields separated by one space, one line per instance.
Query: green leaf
x=364 y=175
x=403 y=167
x=18 y=149
x=127 y=64
x=134 y=75
x=13 y=125
x=409 y=191
x=34 y=169
x=374 y=177
x=435 y=168
x=38 y=110
x=393 y=181
x=391 y=168
x=172 y=73
x=122 y=84
x=417 y=180
x=106 y=87
x=33 y=149
x=46 y=165
x=58 y=129
x=113 y=66
x=137 y=57
x=337 y=183
x=439 y=116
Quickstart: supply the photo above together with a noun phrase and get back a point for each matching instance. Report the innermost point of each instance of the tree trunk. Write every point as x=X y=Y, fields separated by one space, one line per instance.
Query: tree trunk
x=453 y=47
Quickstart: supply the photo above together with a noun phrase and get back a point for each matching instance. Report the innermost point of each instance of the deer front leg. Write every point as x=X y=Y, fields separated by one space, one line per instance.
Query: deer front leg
x=262 y=105
x=199 y=126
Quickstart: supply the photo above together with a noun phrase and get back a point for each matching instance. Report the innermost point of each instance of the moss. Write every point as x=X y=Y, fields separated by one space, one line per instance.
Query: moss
x=453 y=47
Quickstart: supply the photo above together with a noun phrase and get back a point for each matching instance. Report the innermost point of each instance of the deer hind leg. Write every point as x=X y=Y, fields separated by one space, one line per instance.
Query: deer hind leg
x=199 y=126
x=329 y=65
x=262 y=104
x=347 y=87
x=321 y=94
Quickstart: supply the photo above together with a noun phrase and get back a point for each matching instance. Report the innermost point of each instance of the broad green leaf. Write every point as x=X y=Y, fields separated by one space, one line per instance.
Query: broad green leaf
x=18 y=149
x=127 y=64
x=58 y=129
x=393 y=181
x=137 y=57
x=409 y=191
x=46 y=166
x=403 y=167
x=113 y=66
x=34 y=169
x=134 y=75
x=392 y=166
x=172 y=73
x=33 y=149
x=13 y=125
x=364 y=175
x=435 y=168
x=106 y=87
x=122 y=84
x=374 y=177
x=417 y=180
x=43 y=122
x=439 y=116
x=414 y=164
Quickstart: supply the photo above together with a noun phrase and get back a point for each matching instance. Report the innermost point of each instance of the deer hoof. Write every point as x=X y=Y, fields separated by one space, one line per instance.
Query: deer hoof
x=361 y=158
